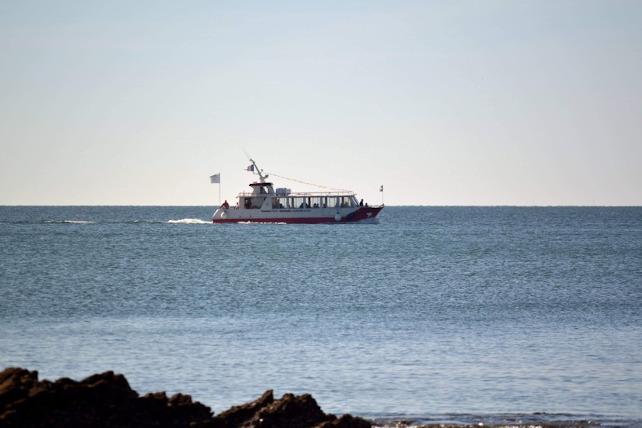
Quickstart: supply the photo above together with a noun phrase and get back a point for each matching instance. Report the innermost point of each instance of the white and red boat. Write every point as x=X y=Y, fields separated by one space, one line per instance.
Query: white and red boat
x=264 y=204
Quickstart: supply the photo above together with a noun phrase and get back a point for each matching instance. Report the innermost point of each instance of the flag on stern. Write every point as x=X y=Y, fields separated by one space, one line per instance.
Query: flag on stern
x=250 y=168
x=216 y=178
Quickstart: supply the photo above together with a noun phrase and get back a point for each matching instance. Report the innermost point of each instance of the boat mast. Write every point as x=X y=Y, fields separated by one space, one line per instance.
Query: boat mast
x=259 y=171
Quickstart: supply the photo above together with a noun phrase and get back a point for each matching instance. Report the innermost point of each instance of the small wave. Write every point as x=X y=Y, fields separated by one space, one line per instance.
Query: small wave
x=368 y=221
x=70 y=222
x=502 y=420
x=188 y=221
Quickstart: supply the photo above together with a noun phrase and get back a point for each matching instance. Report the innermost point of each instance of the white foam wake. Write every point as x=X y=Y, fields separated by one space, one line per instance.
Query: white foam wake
x=188 y=221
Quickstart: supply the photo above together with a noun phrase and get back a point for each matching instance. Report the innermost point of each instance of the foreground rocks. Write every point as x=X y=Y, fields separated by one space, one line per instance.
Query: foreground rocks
x=107 y=400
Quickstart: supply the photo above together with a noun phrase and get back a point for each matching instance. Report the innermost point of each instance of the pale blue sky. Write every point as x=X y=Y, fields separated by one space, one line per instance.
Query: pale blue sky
x=444 y=102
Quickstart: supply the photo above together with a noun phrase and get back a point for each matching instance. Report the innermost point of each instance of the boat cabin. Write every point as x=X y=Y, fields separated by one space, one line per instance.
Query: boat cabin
x=264 y=197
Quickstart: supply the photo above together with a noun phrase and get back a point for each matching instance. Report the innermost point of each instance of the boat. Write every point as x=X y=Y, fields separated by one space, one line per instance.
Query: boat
x=265 y=204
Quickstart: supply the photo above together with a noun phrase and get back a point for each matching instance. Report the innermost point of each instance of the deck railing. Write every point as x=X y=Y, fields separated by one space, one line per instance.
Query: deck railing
x=299 y=194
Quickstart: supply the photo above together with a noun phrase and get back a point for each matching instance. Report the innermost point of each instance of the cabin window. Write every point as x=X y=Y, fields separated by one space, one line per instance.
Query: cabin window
x=346 y=202
x=301 y=202
x=315 y=202
x=247 y=203
x=281 y=203
x=332 y=201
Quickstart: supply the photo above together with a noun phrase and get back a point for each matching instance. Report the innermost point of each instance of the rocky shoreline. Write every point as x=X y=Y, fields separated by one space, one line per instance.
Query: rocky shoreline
x=106 y=400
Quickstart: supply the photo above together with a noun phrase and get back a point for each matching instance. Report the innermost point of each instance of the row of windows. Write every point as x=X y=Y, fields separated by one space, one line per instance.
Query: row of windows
x=292 y=202
x=314 y=202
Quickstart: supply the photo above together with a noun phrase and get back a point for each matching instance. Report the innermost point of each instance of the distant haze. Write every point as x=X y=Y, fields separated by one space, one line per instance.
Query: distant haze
x=443 y=102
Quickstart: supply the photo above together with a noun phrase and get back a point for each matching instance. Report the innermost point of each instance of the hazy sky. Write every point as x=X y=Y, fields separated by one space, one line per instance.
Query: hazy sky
x=444 y=102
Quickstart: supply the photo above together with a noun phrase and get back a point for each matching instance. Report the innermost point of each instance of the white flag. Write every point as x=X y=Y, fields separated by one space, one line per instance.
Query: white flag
x=216 y=178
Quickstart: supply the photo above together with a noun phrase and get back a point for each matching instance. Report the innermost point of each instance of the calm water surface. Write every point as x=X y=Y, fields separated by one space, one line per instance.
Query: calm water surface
x=436 y=313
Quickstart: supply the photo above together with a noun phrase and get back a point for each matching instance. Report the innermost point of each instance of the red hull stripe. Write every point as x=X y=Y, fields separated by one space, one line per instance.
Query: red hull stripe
x=358 y=215
x=310 y=220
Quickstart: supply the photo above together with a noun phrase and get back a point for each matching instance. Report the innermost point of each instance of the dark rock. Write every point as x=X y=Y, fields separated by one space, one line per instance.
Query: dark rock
x=15 y=384
x=241 y=415
x=290 y=411
x=106 y=400
x=102 y=400
x=345 y=421
x=182 y=408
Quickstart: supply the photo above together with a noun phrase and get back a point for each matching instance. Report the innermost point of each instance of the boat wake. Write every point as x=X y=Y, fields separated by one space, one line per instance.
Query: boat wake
x=108 y=222
x=188 y=221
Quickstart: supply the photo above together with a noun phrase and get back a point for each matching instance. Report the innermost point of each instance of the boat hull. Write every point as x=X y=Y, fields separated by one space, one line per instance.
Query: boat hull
x=308 y=216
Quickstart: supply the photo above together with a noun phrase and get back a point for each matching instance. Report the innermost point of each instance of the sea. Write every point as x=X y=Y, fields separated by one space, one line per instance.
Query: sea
x=473 y=315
